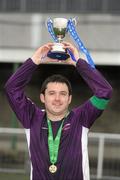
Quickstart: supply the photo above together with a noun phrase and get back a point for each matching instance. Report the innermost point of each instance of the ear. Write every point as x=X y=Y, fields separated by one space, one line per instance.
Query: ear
x=70 y=99
x=42 y=98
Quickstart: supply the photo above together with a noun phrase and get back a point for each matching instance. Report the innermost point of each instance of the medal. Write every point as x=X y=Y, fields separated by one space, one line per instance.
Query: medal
x=53 y=145
x=52 y=168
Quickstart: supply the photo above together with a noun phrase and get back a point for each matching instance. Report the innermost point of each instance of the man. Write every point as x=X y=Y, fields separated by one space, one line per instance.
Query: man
x=57 y=139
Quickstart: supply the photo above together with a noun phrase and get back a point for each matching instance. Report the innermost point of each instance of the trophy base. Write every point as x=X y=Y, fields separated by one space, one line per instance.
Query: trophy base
x=58 y=55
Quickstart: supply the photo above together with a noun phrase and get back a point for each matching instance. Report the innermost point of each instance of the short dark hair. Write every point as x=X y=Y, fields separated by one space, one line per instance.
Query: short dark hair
x=56 y=78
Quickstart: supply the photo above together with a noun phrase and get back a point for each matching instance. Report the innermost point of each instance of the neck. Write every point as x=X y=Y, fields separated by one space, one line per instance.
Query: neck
x=53 y=117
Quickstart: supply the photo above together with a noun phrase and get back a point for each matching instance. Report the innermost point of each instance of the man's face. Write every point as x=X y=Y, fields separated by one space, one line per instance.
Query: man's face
x=56 y=98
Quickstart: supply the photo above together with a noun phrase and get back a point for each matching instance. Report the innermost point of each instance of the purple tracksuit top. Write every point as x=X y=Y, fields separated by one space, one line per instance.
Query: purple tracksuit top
x=72 y=163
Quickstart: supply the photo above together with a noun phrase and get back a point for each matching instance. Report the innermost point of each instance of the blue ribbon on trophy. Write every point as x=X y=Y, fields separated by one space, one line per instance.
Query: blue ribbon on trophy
x=50 y=29
x=71 y=29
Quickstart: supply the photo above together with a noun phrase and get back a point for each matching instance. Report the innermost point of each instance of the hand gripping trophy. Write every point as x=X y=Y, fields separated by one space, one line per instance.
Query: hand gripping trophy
x=58 y=27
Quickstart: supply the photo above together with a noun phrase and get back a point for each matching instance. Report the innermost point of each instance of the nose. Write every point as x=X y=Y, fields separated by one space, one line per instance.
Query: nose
x=57 y=97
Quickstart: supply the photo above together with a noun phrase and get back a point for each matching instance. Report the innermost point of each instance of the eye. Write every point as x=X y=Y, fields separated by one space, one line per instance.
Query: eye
x=63 y=93
x=51 y=93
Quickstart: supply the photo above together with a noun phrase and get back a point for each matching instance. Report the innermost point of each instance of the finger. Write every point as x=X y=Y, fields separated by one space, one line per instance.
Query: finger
x=67 y=43
x=69 y=46
x=47 y=47
x=50 y=44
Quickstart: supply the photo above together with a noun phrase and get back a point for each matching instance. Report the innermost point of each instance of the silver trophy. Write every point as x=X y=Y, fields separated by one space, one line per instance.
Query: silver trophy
x=58 y=28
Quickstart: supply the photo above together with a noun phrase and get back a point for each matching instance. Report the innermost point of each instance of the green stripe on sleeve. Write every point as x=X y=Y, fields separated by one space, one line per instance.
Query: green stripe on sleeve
x=99 y=103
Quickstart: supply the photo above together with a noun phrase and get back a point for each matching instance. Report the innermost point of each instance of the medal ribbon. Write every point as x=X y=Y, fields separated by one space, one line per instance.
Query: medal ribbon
x=53 y=144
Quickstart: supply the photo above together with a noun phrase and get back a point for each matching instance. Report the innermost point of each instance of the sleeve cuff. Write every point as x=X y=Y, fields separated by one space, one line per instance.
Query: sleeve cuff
x=99 y=103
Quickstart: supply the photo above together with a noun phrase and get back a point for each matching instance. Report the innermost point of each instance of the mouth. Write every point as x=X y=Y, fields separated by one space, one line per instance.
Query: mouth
x=57 y=105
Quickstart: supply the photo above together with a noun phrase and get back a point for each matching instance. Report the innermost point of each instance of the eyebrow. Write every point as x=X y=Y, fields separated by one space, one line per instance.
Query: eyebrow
x=60 y=91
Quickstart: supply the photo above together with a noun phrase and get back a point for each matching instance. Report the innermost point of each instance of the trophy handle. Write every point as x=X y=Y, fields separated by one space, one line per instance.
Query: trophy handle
x=49 y=24
x=46 y=21
x=74 y=20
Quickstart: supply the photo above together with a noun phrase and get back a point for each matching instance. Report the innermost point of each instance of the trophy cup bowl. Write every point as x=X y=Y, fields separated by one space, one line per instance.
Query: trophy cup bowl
x=60 y=30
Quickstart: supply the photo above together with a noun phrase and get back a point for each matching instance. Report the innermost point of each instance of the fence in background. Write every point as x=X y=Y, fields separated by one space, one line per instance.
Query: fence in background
x=40 y=6
x=104 y=153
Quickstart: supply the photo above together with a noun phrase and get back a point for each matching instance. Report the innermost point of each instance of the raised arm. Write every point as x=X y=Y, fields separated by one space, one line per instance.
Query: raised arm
x=21 y=105
x=99 y=86
x=101 y=89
